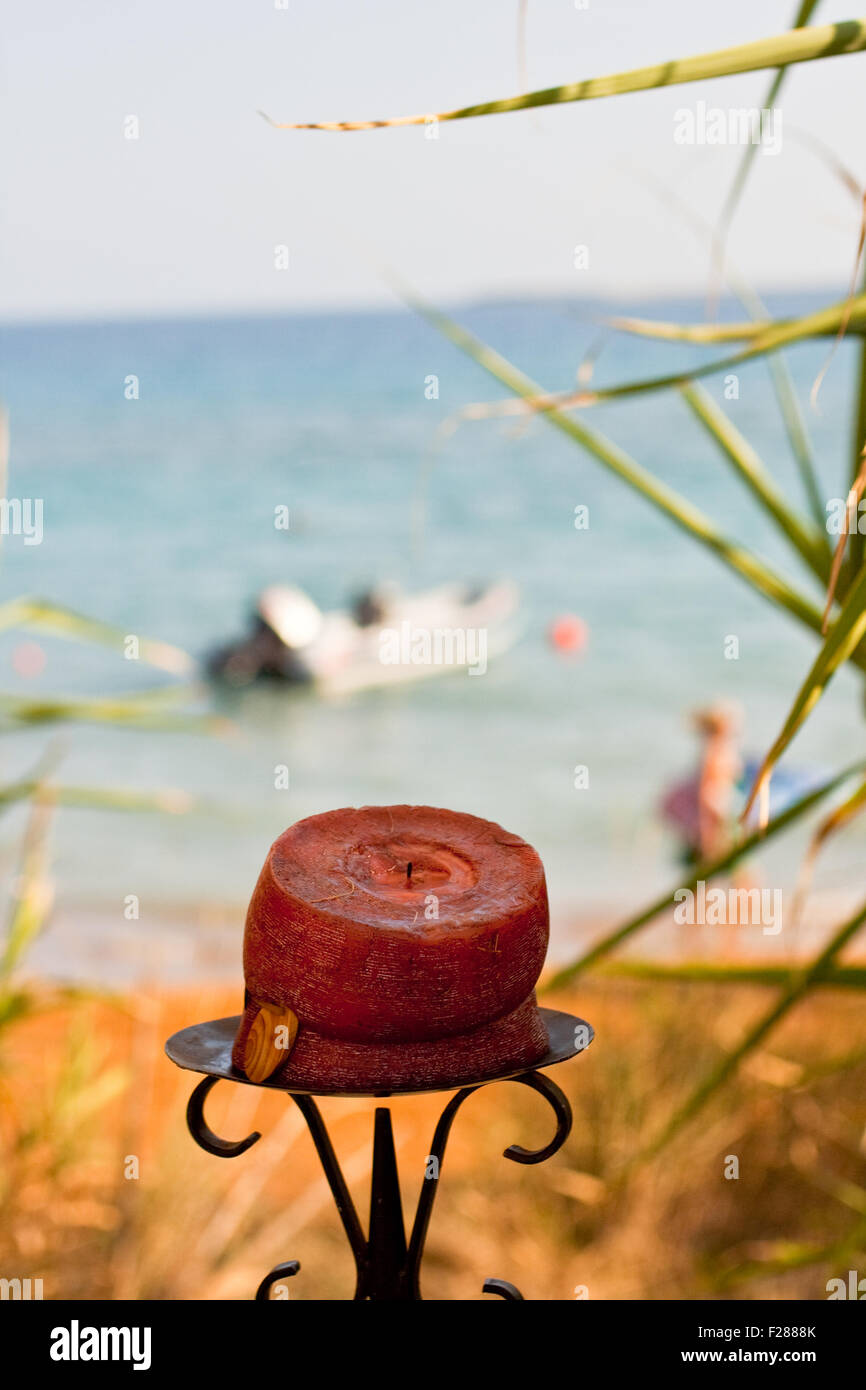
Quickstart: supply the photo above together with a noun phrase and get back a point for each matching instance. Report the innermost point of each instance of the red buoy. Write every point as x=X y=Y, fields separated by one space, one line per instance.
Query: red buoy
x=568 y=634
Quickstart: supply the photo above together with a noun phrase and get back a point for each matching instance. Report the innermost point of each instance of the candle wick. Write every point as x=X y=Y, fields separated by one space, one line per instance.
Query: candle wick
x=408 y=871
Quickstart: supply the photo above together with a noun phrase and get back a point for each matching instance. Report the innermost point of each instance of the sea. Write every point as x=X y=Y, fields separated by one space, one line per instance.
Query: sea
x=162 y=452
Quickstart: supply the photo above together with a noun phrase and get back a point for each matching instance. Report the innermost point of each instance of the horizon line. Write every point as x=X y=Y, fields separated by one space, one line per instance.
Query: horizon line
x=194 y=314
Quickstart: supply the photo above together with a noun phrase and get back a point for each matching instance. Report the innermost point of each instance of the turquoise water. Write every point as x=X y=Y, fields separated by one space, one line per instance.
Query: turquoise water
x=158 y=516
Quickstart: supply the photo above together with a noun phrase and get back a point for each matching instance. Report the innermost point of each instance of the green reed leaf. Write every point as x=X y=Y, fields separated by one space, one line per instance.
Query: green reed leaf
x=809 y=543
x=778 y=51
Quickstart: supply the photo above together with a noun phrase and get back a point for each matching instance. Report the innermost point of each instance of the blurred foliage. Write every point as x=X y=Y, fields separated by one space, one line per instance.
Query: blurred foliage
x=841 y=629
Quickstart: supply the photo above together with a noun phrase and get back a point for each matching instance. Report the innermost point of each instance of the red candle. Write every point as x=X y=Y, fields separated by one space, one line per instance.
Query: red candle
x=401 y=946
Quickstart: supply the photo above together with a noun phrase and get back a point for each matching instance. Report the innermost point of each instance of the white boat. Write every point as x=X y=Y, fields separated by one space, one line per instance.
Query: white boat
x=388 y=638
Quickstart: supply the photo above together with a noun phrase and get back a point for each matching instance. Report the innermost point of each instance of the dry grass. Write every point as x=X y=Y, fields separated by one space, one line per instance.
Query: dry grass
x=85 y=1084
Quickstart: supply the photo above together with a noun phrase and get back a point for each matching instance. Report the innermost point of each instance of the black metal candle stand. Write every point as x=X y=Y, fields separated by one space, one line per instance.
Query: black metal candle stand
x=388 y=1266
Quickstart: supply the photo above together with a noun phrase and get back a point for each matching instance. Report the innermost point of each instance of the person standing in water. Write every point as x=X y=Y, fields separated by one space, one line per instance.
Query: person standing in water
x=721 y=769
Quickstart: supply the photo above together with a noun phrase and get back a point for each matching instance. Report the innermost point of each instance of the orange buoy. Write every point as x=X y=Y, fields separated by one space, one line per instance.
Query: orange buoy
x=568 y=634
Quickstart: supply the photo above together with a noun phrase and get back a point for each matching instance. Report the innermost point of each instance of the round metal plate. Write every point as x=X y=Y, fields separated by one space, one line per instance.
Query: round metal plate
x=207 y=1048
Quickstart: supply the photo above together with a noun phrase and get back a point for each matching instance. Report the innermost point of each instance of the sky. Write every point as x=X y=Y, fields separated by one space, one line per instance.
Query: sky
x=186 y=218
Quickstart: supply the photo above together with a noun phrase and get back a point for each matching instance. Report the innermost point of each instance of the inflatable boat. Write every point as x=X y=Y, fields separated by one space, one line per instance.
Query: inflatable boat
x=385 y=638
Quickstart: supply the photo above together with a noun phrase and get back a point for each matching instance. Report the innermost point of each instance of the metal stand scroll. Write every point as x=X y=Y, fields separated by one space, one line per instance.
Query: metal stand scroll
x=388 y=1266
